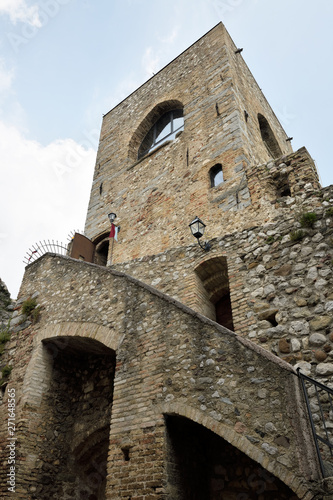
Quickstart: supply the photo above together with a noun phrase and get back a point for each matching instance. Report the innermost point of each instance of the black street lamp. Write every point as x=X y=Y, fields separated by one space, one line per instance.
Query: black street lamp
x=198 y=229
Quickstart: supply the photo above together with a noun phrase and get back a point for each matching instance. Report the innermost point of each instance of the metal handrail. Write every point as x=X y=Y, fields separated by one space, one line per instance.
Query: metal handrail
x=317 y=437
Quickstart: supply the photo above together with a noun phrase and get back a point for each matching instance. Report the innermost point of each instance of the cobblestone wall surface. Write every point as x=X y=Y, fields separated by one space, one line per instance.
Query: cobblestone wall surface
x=169 y=360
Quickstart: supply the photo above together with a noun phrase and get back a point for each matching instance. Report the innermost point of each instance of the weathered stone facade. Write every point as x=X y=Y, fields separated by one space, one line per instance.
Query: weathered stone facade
x=169 y=361
x=281 y=287
x=156 y=197
x=128 y=385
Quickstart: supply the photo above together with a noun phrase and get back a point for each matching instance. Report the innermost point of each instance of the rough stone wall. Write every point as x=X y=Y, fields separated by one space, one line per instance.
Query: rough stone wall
x=281 y=289
x=250 y=98
x=169 y=361
x=155 y=198
x=5 y=302
x=6 y=311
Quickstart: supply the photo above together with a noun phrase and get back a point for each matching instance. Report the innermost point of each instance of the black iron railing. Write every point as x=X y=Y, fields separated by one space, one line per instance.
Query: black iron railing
x=320 y=410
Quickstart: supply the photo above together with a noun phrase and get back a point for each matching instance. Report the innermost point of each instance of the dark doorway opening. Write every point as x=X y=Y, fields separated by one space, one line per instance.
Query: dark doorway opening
x=101 y=253
x=203 y=466
x=214 y=292
x=224 y=312
x=78 y=408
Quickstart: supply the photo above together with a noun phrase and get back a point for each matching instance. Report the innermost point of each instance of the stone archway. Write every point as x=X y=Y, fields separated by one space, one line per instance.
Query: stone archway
x=213 y=287
x=202 y=465
x=102 y=247
x=193 y=422
x=69 y=402
x=78 y=404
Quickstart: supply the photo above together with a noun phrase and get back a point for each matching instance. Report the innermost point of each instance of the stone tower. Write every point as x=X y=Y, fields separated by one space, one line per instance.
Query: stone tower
x=149 y=367
x=224 y=123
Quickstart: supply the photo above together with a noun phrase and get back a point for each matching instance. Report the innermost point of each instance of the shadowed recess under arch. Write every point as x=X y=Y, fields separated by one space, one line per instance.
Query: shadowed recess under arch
x=202 y=465
x=214 y=284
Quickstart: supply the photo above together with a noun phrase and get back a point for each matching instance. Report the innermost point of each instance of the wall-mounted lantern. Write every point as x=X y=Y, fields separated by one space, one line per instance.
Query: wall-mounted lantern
x=112 y=217
x=198 y=229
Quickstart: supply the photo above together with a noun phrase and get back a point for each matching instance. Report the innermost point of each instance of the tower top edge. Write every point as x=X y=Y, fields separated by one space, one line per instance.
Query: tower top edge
x=218 y=25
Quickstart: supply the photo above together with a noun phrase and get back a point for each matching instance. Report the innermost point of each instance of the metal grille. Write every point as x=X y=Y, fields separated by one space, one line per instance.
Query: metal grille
x=43 y=247
x=319 y=402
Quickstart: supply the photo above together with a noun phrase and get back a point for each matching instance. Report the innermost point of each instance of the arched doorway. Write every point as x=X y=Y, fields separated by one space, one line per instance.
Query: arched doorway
x=102 y=244
x=213 y=284
x=77 y=409
x=203 y=466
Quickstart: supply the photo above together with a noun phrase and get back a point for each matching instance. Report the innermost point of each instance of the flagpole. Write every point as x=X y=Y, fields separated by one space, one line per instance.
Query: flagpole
x=113 y=235
x=111 y=251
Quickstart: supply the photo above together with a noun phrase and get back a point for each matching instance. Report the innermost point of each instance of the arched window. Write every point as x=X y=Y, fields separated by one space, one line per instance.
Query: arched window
x=268 y=137
x=216 y=175
x=164 y=129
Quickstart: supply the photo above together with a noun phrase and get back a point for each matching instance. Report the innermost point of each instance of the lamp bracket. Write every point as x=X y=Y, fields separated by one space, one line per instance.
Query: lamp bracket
x=205 y=246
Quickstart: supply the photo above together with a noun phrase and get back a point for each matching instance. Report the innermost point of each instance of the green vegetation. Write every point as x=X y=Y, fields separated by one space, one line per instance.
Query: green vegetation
x=28 y=306
x=4 y=337
x=297 y=235
x=270 y=240
x=35 y=314
x=329 y=212
x=308 y=219
x=6 y=370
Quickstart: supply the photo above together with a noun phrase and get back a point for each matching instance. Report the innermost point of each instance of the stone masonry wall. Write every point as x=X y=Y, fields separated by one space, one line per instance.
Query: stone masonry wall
x=169 y=361
x=251 y=99
x=281 y=288
x=156 y=197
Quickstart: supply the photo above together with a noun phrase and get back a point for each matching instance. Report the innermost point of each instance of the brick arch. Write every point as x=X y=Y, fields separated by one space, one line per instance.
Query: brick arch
x=148 y=122
x=39 y=370
x=88 y=330
x=238 y=441
x=213 y=280
x=213 y=273
x=62 y=352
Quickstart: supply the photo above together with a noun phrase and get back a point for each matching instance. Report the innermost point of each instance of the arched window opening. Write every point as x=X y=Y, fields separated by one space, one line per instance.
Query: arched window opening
x=164 y=129
x=214 y=291
x=216 y=175
x=283 y=188
x=268 y=137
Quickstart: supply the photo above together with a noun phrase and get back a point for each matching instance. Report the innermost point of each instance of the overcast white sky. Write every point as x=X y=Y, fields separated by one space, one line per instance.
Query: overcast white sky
x=65 y=63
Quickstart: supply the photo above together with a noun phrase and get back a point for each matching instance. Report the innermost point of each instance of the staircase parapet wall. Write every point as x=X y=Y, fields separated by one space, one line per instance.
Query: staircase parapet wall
x=170 y=354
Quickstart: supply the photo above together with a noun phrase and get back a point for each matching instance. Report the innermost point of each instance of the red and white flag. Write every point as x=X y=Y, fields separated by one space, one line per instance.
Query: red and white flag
x=114 y=232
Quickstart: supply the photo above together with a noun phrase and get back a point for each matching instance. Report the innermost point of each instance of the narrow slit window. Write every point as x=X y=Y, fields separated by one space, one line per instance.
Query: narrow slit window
x=216 y=175
x=268 y=137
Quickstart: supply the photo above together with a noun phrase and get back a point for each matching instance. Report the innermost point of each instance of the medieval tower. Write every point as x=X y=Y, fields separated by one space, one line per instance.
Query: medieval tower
x=149 y=366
